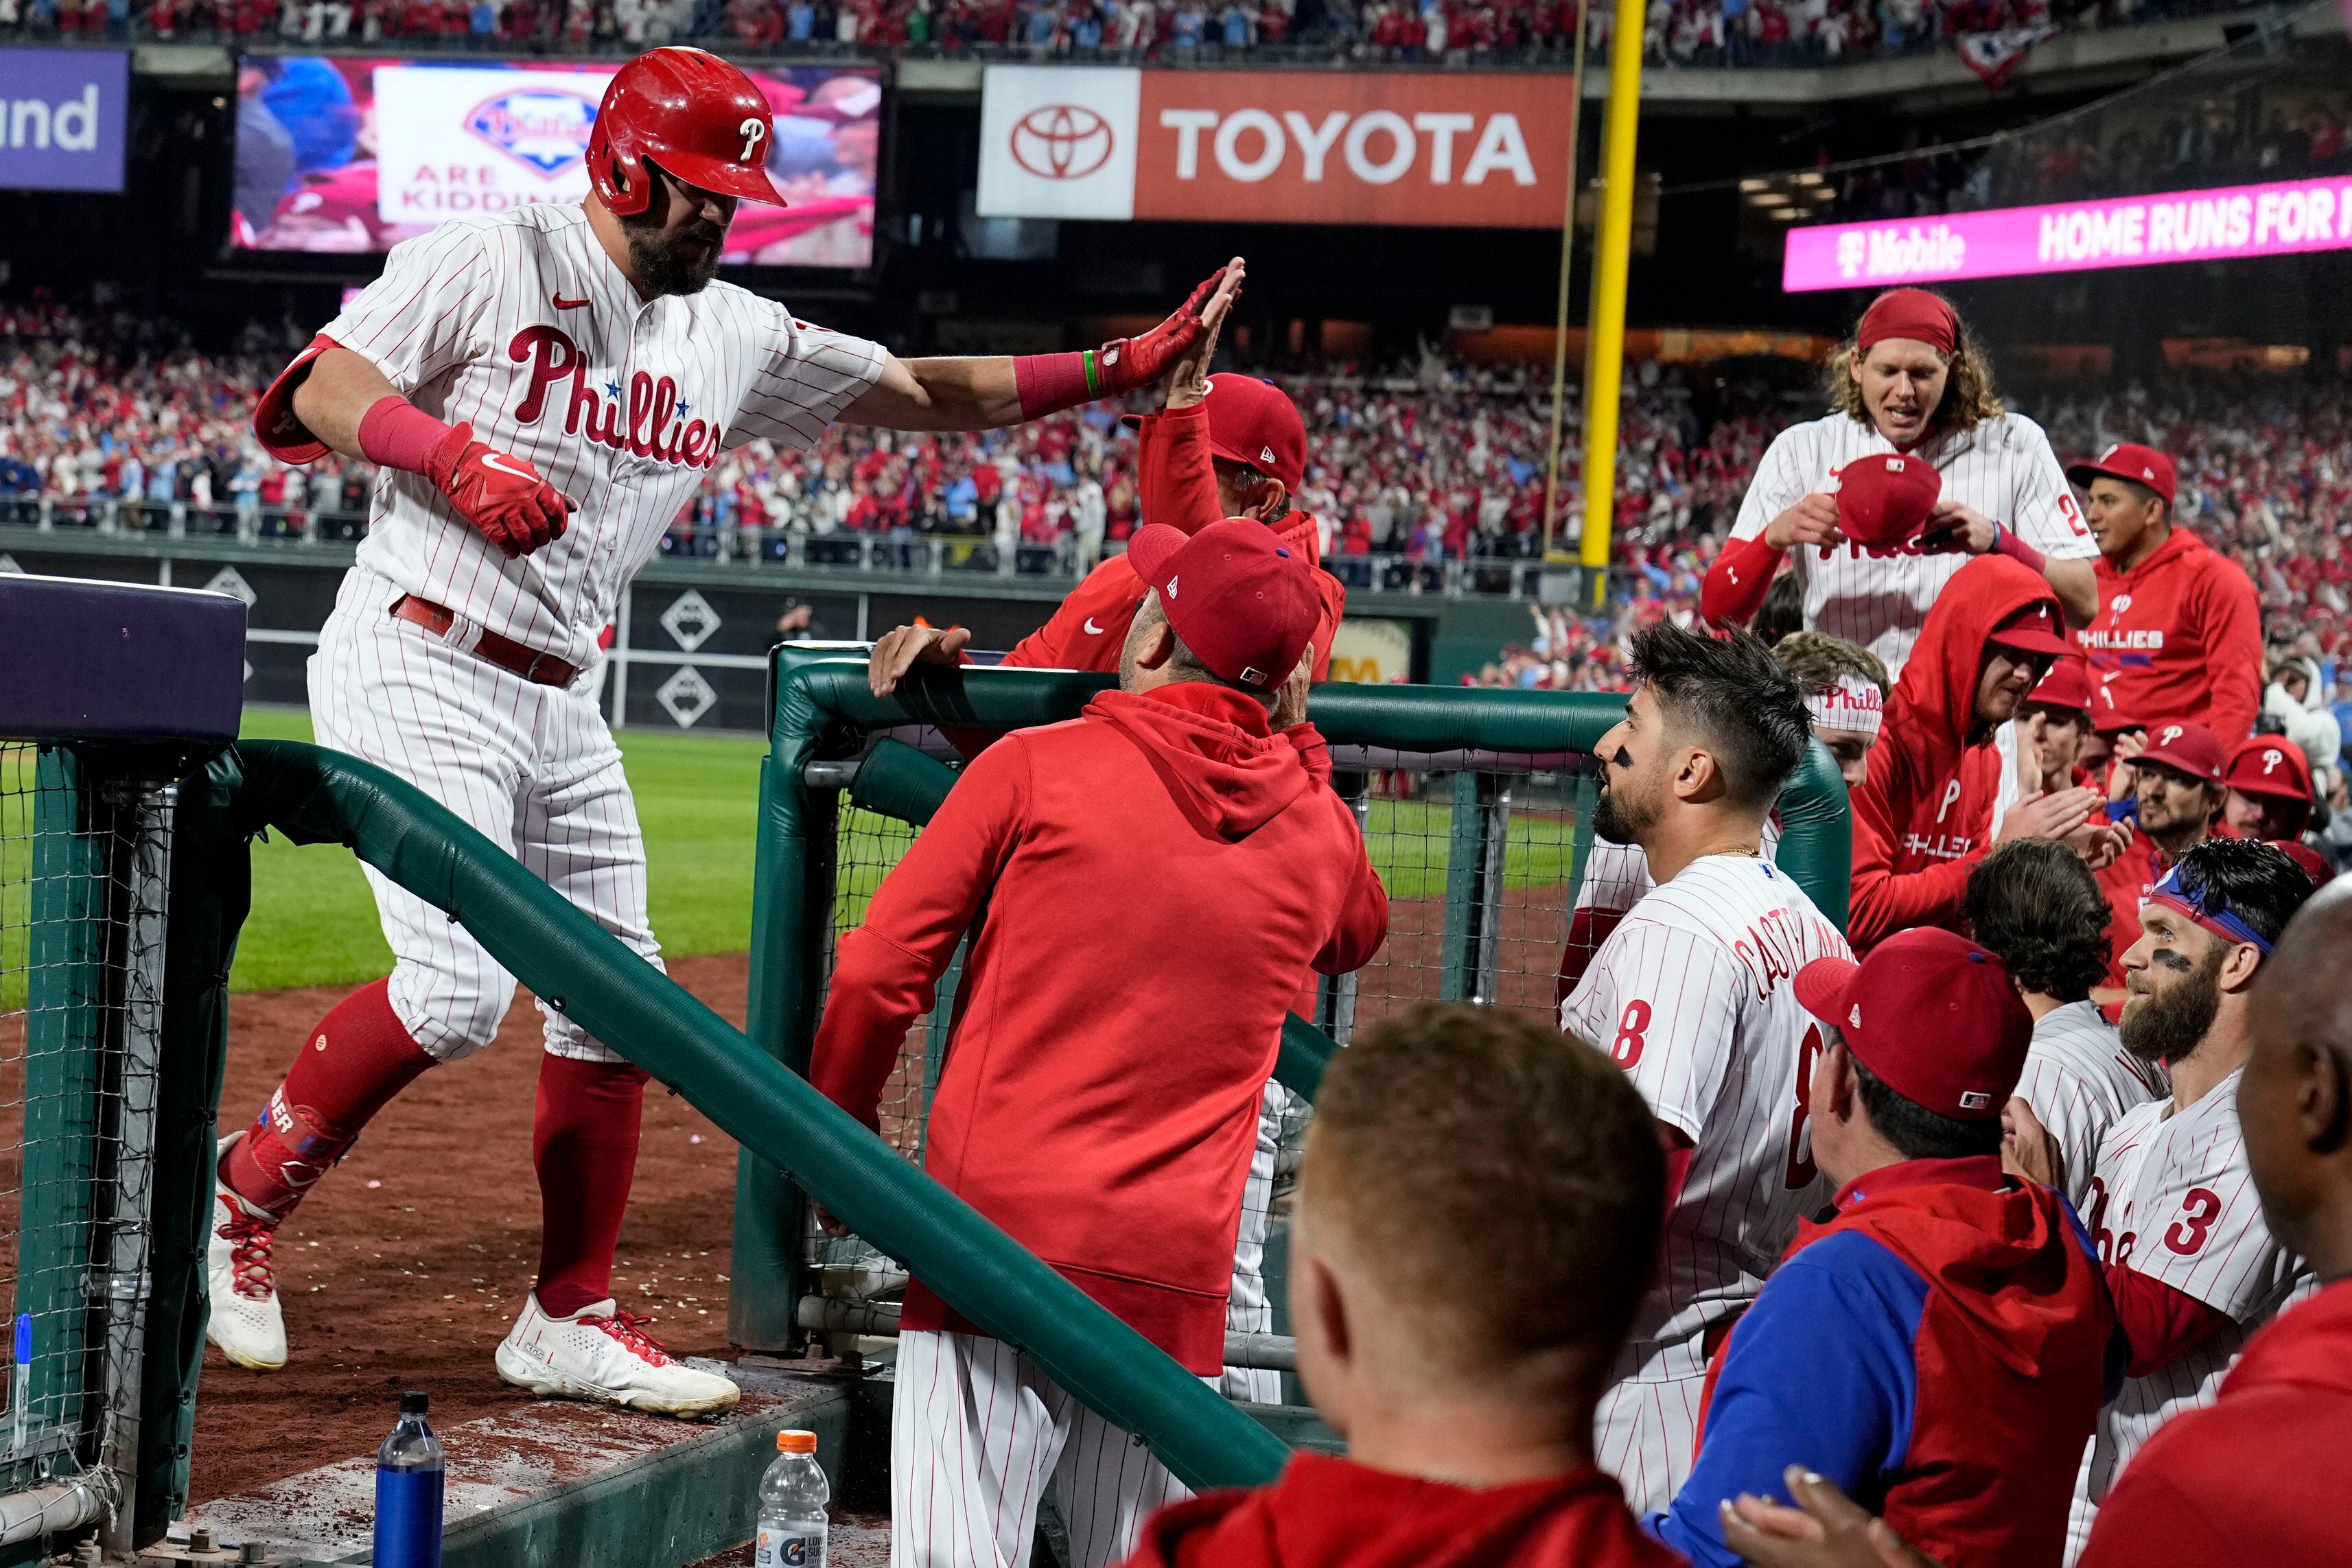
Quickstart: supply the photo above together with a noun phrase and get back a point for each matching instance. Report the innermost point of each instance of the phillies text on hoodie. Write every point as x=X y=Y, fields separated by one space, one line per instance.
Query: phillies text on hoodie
x=1147 y=886
x=2179 y=636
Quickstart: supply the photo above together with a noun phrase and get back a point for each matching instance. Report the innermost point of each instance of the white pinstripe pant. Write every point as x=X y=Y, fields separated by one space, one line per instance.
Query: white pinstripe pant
x=1247 y=1308
x=532 y=767
x=977 y=1433
x=1645 y=1433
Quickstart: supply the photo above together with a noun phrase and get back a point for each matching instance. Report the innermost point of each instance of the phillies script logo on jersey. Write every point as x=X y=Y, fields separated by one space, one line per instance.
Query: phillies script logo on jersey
x=651 y=425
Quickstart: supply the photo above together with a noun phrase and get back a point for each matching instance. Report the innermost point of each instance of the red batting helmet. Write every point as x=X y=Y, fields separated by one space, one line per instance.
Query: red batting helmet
x=697 y=117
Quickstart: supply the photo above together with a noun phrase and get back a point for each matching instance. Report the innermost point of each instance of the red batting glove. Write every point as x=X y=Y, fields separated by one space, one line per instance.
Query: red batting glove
x=504 y=497
x=1048 y=383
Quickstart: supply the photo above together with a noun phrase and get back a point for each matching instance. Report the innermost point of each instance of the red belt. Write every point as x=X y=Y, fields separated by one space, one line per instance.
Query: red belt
x=540 y=669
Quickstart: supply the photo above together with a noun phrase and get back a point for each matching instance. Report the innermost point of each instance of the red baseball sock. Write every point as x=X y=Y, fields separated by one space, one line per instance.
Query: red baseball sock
x=584 y=1144
x=354 y=1063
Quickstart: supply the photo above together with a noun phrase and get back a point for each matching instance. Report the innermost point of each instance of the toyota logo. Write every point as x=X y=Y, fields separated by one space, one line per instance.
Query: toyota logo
x=1061 y=142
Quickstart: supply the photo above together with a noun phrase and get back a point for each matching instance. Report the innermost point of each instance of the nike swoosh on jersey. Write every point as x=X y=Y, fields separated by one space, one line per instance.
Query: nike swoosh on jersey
x=563 y=304
x=1092 y=629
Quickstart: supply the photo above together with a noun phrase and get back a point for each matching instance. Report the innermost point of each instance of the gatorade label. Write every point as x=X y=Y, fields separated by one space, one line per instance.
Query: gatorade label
x=797 y=1546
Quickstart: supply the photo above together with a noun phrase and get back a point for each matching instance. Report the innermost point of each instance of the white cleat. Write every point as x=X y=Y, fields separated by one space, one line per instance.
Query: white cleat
x=602 y=1353
x=246 y=1320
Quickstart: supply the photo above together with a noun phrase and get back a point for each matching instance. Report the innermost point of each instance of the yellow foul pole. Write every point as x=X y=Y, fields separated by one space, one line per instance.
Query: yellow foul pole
x=1612 y=253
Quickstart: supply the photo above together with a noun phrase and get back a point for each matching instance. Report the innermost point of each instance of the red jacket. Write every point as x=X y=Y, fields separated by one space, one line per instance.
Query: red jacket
x=1923 y=818
x=1335 y=1513
x=2256 y=1478
x=1179 y=487
x=2179 y=636
x=1146 y=886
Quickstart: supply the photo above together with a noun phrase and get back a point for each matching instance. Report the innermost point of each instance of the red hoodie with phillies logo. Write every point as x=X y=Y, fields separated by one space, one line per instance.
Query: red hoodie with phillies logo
x=1180 y=489
x=1923 y=818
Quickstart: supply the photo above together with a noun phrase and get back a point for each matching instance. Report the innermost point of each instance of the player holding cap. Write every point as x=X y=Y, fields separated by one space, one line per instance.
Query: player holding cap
x=2034 y=905
x=1911 y=383
x=1936 y=1345
x=2178 y=633
x=542 y=390
x=1923 y=818
x=1185 y=862
x=1690 y=996
x=2191 y=1264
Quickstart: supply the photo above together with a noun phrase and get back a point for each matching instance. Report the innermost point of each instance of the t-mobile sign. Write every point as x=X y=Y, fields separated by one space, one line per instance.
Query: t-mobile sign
x=2075 y=237
x=61 y=118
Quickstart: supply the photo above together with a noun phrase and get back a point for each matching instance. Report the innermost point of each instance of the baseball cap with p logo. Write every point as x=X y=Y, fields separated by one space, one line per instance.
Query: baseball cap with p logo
x=1242 y=601
x=2130 y=461
x=1932 y=1015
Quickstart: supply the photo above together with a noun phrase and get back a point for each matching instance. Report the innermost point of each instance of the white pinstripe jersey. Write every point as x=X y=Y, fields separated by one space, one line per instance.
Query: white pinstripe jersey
x=522 y=325
x=1617 y=876
x=2004 y=468
x=2173 y=1200
x=2080 y=1082
x=1690 y=996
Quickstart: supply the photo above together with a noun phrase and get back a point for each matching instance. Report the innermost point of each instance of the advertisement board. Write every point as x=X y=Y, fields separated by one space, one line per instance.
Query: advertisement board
x=354 y=155
x=1443 y=150
x=62 y=113
x=1376 y=652
x=2149 y=230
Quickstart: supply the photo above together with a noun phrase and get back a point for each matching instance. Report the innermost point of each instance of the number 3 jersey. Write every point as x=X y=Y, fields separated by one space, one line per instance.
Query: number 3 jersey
x=1691 y=995
x=2173 y=1200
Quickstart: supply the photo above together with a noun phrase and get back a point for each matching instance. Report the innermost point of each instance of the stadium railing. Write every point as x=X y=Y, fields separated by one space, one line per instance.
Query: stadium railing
x=1476 y=811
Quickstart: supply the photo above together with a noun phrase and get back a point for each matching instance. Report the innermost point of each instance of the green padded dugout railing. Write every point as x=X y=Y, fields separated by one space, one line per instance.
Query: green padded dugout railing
x=314 y=795
x=824 y=713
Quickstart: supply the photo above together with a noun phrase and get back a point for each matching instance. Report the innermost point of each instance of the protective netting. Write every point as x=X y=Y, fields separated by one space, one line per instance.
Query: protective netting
x=83 y=872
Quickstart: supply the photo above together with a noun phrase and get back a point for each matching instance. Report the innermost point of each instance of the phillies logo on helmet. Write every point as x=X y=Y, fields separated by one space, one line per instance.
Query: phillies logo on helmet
x=1061 y=142
x=545 y=130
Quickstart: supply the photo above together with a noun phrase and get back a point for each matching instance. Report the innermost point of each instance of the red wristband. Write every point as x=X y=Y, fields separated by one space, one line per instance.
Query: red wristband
x=1048 y=383
x=397 y=433
x=2006 y=542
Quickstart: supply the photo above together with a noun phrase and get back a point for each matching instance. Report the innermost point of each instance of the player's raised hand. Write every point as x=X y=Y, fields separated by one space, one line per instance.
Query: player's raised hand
x=1811 y=521
x=1188 y=377
x=1290 y=703
x=505 y=498
x=1124 y=364
x=1825 y=1529
x=2053 y=815
x=2028 y=1150
x=904 y=647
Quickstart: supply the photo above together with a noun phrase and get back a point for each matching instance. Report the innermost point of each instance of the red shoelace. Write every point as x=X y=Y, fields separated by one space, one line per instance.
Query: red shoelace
x=630 y=1329
x=249 y=1242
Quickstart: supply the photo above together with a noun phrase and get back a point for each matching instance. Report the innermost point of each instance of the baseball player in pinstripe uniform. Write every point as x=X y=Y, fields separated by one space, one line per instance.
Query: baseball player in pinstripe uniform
x=1911 y=381
x=1690 y=995
x=541 y=390
x=2036 y=907
x=2190 y=1261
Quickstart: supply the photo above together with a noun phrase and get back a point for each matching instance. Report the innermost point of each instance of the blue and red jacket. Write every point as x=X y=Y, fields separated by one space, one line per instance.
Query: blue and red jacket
x=1939 y=1347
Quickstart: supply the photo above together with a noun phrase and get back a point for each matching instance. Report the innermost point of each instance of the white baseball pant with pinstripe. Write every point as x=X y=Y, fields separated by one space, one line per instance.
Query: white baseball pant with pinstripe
x=1247 y=1308
x=533 y=768
x=977 y=1433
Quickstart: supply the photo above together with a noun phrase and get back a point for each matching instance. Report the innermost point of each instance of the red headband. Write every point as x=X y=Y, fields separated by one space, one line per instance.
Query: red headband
x=1912 y=313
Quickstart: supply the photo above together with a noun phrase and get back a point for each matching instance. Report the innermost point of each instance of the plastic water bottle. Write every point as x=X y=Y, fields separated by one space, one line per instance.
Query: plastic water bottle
x=408 y=1474
x=791 y=1506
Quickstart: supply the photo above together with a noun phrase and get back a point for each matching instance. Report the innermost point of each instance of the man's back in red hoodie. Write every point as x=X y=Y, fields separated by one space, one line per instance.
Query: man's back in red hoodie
x=1923 y=818
x=1146 y=887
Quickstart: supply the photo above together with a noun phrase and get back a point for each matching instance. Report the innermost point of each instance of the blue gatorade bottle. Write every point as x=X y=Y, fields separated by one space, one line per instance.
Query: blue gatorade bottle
x=408 y=1473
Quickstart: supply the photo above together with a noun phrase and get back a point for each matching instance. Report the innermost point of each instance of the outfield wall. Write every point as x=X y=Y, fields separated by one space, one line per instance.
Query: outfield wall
x=691 y=643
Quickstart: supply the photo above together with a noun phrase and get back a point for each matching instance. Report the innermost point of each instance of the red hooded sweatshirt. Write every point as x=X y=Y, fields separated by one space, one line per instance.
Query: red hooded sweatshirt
x=1146 y=886
x=2179 y=636
x=1180 y=489
x=2258 y=1477
x=1923 y=818
x=1335 y=1513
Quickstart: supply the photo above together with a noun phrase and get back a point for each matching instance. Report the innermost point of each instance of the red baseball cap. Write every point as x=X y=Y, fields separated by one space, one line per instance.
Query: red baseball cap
x=2033 y=630
x=2067 y=686
x=2187 y=747
x=1886 y=497
x=1932 y=1015
x=2127 y=460
x=1241 y=601
x=1253 y=422
x=2270 y=765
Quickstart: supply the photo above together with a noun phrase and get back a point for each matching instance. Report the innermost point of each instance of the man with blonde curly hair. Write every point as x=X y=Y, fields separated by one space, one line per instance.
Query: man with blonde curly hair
x=1912 y=383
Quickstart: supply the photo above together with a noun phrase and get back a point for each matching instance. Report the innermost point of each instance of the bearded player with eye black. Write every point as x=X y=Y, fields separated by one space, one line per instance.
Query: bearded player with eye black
x=1691 y=995
x=1912 y=380
x=2190 y=1261
x=541 y=390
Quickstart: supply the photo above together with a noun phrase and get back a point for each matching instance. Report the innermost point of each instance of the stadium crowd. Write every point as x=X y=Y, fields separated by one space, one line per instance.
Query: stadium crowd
x=1695 y=33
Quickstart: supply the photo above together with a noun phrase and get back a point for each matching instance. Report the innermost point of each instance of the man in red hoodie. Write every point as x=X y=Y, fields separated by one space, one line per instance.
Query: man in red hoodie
x=1938 y=1346
x=1922 y=818
x=2179 y=631
x=1468 y=1417
x=1145 y=887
